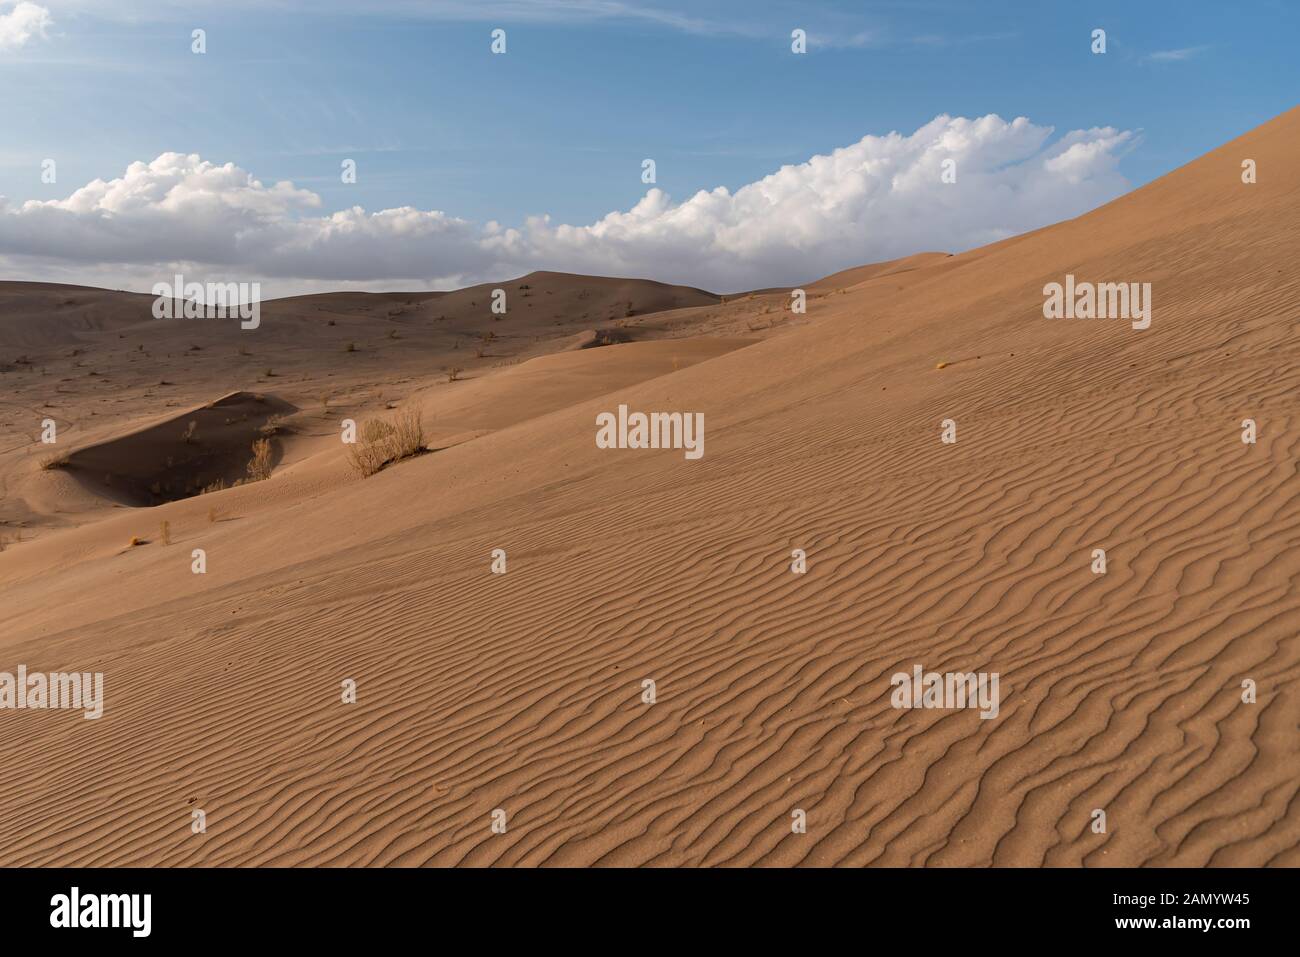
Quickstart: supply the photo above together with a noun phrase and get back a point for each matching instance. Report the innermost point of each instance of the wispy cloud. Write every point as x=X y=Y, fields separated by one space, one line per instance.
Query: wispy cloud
x=862 y=39
x=1173 y=56
x=499 y=12
x=738 y=19
x=559 y=11
x=938 y=40
x=843 y=41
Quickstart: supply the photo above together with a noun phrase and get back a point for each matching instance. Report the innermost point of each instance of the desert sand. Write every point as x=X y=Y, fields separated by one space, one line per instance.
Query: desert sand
x=523 y=691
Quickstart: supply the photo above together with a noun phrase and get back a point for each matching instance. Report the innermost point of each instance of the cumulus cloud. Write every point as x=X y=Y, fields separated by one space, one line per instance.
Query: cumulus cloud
x=879 y=198
x=25 y=21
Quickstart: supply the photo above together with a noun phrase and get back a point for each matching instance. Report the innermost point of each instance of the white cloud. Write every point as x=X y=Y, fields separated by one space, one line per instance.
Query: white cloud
x=25 y=21
x=879 y=198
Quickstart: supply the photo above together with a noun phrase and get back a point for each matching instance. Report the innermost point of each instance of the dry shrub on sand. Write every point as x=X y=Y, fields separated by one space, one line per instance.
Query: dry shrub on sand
x=259 y=466
x=382 y=442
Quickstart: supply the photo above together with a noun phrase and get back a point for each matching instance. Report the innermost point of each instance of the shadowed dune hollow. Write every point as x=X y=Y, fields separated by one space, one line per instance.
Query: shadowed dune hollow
x=183 y=455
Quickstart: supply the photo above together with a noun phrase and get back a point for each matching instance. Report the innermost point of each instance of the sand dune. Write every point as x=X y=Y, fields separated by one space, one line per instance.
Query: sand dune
x=523 y=691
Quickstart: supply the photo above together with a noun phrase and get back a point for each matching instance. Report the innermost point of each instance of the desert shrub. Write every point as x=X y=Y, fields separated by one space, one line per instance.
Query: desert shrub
x=259 y=466
x=369 y=453
x=382 y=442
x=408 y=434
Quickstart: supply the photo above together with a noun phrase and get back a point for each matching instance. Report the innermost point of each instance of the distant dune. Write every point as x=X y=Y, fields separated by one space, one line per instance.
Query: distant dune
x=524 y=692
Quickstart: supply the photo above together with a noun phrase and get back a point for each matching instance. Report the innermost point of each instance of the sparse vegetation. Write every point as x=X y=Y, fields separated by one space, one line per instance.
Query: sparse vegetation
x=188 y=435
x=165 y=529
x=259 y=466
x=53 y=462
x=382 y=442
x=454 y=373
x=350 y=347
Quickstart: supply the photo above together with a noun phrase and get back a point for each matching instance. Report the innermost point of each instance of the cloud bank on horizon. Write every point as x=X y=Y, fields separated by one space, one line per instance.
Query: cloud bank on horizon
x=879 y=198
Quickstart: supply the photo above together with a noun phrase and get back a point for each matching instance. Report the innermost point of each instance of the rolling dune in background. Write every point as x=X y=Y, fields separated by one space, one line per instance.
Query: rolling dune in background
x=523 y=691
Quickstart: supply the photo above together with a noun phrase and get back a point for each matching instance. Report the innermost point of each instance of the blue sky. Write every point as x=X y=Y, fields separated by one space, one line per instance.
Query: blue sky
x=559 y=125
